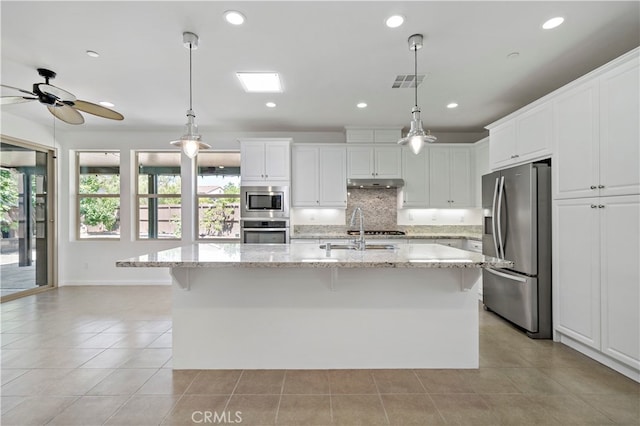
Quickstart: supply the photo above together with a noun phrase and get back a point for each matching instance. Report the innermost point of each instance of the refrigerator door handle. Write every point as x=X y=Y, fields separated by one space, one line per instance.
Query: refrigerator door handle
x=507 y=276
x=499 y=226
x=494 y=217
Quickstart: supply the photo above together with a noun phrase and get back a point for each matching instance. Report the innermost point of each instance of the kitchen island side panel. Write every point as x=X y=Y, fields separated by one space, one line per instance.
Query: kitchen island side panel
x=293 y=318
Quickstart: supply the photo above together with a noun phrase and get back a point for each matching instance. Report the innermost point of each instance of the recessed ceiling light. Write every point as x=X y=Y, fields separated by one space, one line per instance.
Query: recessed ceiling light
x=106 y=104
x=92 y=53
x=260 y=82
x=234 y=17
x=362 y=105
x=553 y=22
x=221 y=167
x=271 y=104
x=394 y=21
x=452 y=105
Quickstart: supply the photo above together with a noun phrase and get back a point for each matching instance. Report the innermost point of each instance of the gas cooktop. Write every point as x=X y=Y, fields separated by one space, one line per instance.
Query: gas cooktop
x=376 y=232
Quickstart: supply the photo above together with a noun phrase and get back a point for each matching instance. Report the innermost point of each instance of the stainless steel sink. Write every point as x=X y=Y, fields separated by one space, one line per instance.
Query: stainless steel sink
x=354 y=247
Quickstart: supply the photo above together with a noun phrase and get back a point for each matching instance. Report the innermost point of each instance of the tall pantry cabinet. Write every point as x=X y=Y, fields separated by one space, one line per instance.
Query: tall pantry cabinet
x=596 y=214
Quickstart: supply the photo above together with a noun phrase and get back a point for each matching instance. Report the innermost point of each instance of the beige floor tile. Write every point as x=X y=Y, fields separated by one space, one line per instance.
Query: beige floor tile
x=518 y=410
x=621 y=408
x=34 y=382
x=65 y=358
x=164 y=341
x=534 y=381
x=254 y=409
x=411 y=409
x=444 y=381
x=7 y=339
x=358 y=410
x=153 y=326
x=570 y=410
x=488 y=380
x=36 y=410
x=465 y=409
x=306 y=382
x=89 y=411
x=595 y=381
x=352 y=382
x=260 y=382
x=102 y=340
x=309 y=410
x=143 y=411
x=192 y=409
x=168 y=382
x=111 y=358
x=148 y=358
x=397 y=381
x=9 y=374
x=136 y=340
x=493 y=356
x=214 y=382
x=9 y=402
x=122 y=382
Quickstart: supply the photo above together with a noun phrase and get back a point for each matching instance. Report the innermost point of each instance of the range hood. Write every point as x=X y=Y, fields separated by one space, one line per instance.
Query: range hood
x=375 y=183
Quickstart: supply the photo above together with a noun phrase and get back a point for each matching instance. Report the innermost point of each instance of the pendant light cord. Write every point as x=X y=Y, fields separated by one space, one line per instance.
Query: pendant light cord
x=415 y=71
x=190 y=83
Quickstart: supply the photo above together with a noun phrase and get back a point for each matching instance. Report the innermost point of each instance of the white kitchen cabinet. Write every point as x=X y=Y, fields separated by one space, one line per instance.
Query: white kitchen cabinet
x=523 y=138
x=450 y=177
x=265 y=160
x=472 y=245
x=596 y=135
x=596 y=276
x=379 y=135
x=481 y=154
x=415 y=173
x=451 y=242
x=319 y=176
x=374 y=162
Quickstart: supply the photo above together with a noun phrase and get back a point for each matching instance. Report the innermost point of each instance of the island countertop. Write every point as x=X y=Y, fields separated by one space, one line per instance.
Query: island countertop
x=310 y=255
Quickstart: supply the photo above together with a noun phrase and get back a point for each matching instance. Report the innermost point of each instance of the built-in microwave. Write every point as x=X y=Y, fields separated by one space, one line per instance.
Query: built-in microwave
x=264 y=202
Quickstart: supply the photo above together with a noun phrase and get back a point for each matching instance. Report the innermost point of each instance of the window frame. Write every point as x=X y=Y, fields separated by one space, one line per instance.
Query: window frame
x=148 y=196
x=80 y=196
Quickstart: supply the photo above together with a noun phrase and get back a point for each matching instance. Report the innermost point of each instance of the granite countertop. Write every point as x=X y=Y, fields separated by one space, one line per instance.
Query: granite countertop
x=337 y=235
x=312 y=256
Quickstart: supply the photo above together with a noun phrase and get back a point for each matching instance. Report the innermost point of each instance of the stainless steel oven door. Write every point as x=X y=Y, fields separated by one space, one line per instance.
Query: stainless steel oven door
x=267 y=231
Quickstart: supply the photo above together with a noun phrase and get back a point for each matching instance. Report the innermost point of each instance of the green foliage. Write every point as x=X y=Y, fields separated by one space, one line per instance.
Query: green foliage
x=8 y=199
x=100 y=211
x=218 y=217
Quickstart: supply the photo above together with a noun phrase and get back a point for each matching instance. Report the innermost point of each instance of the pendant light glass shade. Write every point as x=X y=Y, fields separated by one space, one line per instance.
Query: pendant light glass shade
x=190 y=142
x=416 y=137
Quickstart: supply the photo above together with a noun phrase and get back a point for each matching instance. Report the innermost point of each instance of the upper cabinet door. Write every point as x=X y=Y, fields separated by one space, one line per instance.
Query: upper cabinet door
x=388 y=162
x=252 y=161
x=502 y=141
x=333 y=177
x=575 y=142
x=277 y=159
x=461 y=183
x=619 y=134
x=415 y=192
x=439 y=177
x=533 y=133
x=304 y=182
x=360 y=162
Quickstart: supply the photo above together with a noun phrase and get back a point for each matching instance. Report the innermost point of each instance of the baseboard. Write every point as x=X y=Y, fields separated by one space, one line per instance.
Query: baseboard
x=112 y=283
x=614 y=364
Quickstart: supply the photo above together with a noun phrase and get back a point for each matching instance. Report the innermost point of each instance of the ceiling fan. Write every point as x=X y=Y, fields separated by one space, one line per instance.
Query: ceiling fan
x=62 y=104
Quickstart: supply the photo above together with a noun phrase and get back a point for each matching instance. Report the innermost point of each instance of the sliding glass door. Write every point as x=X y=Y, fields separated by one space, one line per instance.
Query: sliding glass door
x=26 y=218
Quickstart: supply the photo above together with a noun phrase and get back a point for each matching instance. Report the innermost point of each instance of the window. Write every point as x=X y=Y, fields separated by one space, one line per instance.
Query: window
x=158 y=195
x=98 y=194
x=218 y=195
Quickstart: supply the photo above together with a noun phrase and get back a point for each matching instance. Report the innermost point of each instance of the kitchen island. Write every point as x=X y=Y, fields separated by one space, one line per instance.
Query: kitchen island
x=267 y=306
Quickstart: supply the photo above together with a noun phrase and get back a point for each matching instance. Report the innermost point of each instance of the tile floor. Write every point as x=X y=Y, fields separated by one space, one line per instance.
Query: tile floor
x=102 y=355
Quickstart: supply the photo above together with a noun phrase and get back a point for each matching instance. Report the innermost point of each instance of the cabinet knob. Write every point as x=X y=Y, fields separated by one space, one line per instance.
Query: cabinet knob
x=317 y=201
x=600 y=186
x=593 y=187
x=261 y=176
x=593 y=206
x=266 y=176
x=600 y=206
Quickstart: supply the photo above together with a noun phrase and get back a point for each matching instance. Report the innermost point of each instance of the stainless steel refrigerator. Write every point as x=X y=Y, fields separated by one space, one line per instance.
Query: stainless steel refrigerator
x=516 y=205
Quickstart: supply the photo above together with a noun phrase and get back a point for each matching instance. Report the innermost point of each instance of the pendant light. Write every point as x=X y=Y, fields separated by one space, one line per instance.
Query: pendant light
x=190 y=142
x=416 y=136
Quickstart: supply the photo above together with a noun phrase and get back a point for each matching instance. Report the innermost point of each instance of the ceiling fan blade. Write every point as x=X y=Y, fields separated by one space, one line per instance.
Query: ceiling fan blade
x=18 y=89
x=66 y=114
x=6 y=100
x=98 y=110
x=60 y=94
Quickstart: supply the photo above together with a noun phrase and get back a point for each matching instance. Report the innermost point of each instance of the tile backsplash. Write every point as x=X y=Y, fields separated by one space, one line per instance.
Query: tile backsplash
x=379 y=206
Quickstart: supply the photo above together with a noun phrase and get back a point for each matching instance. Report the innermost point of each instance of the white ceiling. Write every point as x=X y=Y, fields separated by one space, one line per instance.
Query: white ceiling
x=330 y=55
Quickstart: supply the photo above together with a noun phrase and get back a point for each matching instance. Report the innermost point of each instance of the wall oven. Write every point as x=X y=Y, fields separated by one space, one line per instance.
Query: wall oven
x=264 y=202
x=265 y=231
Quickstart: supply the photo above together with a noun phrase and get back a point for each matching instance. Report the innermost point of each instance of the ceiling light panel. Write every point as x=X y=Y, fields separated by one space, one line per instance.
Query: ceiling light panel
x=553 y=22
x=394 y=21
x=260 y=82
x=234 y=17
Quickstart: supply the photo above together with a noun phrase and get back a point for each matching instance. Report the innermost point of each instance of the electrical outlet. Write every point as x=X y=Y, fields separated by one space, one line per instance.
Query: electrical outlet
x=312 y=218
x=461 y=219
x=433 y=218
x=410 y=217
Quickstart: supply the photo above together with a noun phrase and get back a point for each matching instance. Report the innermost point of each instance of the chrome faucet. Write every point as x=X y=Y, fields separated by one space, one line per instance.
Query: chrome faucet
x=360 y=243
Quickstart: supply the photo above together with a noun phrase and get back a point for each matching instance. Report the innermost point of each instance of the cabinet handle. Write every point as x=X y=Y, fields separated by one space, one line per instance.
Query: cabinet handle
x=600 y=186
x=600 y=206
x=593 y=206
x=317 y=201
x=593 y=187
x=266 y=176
